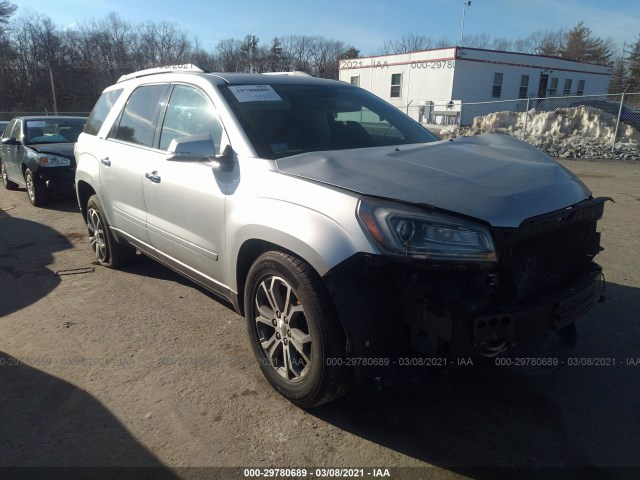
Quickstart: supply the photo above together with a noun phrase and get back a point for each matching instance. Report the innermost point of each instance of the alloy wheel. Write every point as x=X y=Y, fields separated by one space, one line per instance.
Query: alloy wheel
x=97 y=235
x=282 y=328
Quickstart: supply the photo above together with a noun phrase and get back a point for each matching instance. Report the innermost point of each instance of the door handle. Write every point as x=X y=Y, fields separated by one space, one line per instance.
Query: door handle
x=153 y=176
x=106 y=162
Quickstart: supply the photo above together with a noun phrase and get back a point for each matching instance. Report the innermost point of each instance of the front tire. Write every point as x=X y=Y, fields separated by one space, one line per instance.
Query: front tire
x=107 y=250
x=37 y=191
x=294 y=330
x=8 y=184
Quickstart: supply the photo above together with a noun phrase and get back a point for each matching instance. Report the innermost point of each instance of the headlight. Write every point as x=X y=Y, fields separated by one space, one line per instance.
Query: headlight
x=47 y=160
x=403 y=230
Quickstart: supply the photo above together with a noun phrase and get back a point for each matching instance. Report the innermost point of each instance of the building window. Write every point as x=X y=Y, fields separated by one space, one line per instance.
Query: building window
x=553 y=87
x=396 y=85
x=524 y=86
x=355 y=80
x=567 y=86
x=580 y=87
x=497 y=85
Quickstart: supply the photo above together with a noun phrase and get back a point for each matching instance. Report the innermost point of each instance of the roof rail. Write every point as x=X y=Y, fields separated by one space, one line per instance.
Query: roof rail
x=297 y=73
x=187 y=67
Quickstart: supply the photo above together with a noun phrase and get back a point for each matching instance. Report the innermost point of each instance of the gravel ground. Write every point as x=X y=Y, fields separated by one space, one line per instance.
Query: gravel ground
x=139 y=367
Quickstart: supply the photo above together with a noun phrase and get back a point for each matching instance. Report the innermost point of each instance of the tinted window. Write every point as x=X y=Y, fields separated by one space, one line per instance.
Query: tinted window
x=101 y=110
x=189 y=112
x=138 y=120
x=292 y=119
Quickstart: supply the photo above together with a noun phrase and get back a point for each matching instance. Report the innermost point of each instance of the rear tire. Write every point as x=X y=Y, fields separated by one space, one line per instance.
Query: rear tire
x=295 y=332
x=37 y=191
x=8 y=184
x=107 y=250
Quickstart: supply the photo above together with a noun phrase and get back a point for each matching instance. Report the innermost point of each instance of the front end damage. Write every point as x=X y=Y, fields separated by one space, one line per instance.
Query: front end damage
x=544 y=278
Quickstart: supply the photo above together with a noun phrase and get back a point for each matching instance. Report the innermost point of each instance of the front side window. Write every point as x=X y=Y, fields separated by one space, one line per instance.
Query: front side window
x=101 y=110
x=553 y=87
x=138 y=120
x=396 y=85
x=567 y=86
x=524 y=86
x=287 y=119
x=190 y=112
x=580 y=87
x=496 y=92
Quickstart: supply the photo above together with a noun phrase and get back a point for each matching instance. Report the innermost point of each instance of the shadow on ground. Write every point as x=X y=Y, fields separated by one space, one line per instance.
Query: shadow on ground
x=47 y=422
x=490 y=421
x=26 y=248
x=147 y=267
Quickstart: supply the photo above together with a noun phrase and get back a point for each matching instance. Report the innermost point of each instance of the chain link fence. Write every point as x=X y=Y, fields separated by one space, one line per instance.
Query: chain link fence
x=591 y=126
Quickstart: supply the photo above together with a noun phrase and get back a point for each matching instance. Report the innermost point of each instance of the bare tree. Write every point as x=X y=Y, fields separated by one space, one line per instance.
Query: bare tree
x=410 y=42
x=228 y=55
x=480 y=40
x=7 y=9
x=502 y=44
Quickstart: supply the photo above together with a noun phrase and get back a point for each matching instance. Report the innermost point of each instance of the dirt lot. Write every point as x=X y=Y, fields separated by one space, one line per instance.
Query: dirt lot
x=139 y=367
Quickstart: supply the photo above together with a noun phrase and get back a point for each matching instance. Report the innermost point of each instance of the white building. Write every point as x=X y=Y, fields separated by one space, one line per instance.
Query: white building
x=431 y=85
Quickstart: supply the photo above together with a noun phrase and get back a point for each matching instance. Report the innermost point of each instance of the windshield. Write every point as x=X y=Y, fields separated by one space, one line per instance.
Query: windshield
x=284 y=120
x=53 y=130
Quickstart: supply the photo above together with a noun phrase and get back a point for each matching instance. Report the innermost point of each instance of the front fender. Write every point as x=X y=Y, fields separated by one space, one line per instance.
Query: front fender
x=321 y=240
x=88 y=171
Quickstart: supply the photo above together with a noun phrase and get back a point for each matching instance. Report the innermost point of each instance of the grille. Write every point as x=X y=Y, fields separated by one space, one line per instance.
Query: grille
x=548 y=251
x=545 y=262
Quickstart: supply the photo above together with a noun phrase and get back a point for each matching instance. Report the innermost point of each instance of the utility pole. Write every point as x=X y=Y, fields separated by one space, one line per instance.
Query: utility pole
x=53 y=91
x=464 y=11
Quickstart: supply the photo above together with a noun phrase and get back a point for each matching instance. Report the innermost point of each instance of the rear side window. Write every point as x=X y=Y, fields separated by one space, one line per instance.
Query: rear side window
x=138 y=120
x=101 y=110
x=190 y=112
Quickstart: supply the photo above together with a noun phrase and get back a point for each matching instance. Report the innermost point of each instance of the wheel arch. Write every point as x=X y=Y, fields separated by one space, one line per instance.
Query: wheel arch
x=84 y=191
x=248 y=253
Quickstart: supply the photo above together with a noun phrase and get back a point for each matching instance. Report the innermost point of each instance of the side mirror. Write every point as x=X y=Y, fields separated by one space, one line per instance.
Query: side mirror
x=224 y=161
x=11 y=141
x=199 y=148
x=194 y=148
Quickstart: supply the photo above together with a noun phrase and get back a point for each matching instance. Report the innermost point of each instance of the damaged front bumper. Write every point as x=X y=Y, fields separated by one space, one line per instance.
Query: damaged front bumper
x=545 y=279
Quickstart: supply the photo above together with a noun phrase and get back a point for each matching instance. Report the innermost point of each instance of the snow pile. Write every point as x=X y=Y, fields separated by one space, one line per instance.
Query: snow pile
x=566 y=132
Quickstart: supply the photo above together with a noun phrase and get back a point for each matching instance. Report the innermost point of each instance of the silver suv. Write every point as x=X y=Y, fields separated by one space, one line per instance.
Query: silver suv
x=351 y=239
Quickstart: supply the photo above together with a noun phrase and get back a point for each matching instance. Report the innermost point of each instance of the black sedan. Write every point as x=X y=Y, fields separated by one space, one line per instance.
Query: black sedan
x=37 y=153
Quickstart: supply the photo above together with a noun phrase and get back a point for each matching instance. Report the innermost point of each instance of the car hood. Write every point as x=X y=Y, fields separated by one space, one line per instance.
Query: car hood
x=63 y=149
x=495 y=178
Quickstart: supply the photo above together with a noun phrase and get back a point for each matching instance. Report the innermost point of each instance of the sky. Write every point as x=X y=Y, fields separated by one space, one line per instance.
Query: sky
x=361 y=23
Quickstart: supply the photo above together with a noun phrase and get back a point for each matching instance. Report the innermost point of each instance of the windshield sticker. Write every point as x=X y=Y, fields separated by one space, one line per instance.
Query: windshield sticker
x=37 y=124
x=255 y=93
x=279 y=147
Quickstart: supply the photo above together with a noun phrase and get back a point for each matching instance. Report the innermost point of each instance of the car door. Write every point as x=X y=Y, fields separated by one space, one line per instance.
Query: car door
x=129 y=153
x=186 y=200
x=12 y=154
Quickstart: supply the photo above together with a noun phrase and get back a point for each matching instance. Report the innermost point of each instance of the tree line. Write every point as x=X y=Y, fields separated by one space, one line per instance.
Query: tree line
x=38 y=57
x=81 y=61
